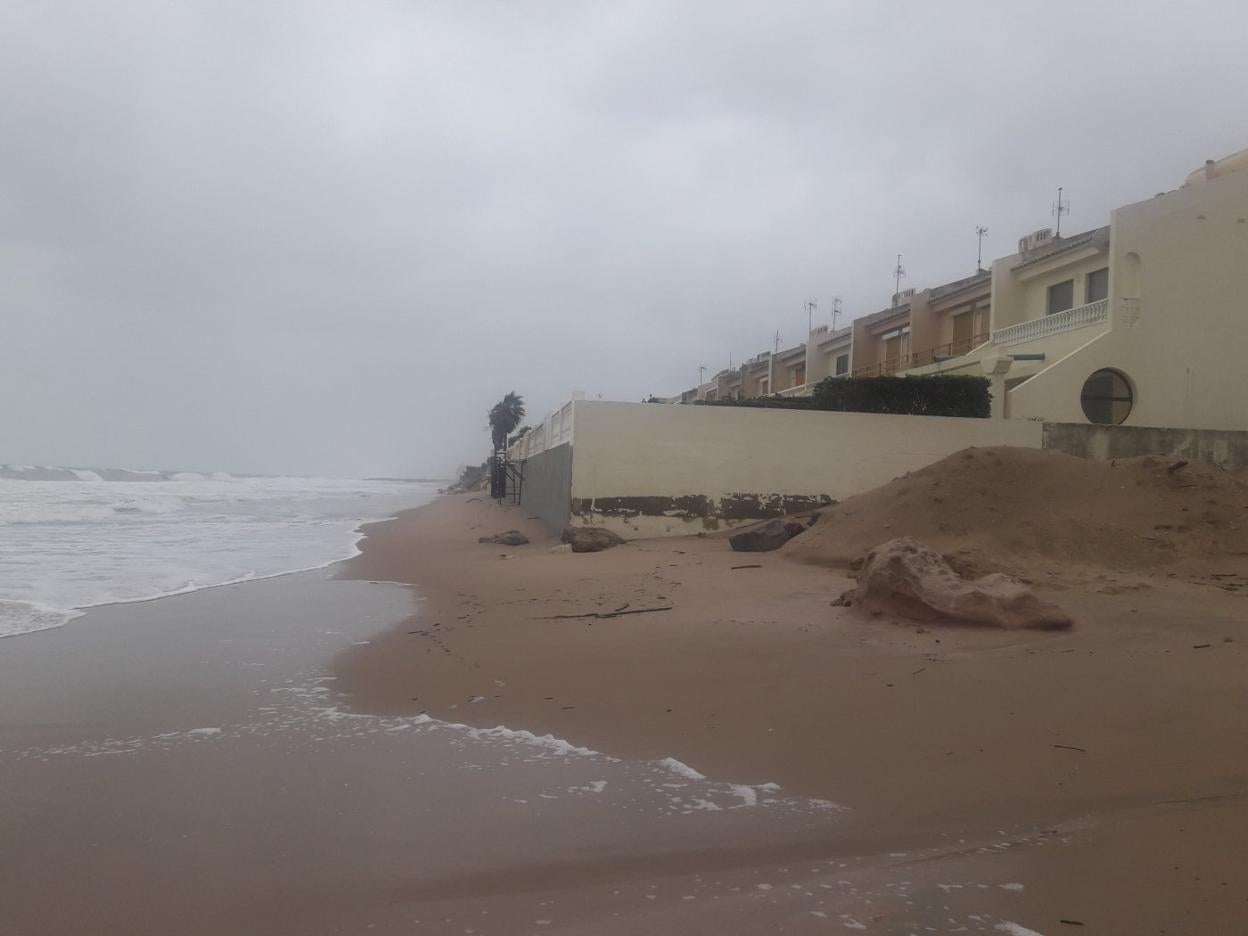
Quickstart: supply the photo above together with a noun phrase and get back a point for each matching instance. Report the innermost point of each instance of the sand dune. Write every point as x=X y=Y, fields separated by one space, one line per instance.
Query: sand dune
x=1046 y=515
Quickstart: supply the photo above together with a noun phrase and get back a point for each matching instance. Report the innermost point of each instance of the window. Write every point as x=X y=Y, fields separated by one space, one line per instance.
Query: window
x=842 y=365
x=963 y=332
x=1107 y=398
x=892 y=348
x=1097 y=286
x=799 y=375
x=1061 y=297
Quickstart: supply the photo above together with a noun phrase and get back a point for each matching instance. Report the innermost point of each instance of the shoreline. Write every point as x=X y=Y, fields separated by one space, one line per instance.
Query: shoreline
x=185 y=766
x=271 y=772
x=928 y=735
x=357 y=532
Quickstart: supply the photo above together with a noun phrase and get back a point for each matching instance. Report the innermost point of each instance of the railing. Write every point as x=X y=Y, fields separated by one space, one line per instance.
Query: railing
x=1079 y=317
x=554 y=430
x=799 y=390
x=883 y=368
x=905 y=362
x=949 y=349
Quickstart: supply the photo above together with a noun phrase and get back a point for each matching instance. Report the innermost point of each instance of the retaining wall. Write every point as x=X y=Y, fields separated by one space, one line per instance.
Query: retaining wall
x=654 y=470
x=547 y=491
x=1225 y=448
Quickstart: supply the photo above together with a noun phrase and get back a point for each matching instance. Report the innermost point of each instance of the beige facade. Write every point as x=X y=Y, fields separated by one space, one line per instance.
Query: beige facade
x=756 y=376
x=1139 y=322
x=829 y=354
x=924 y=329
x=1177 y=314
x=788 y=369
x=881 y=342
x=1062 y=274
x=950 y=320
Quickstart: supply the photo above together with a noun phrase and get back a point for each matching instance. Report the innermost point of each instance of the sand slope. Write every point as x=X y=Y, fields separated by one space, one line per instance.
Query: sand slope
x=1036 y=513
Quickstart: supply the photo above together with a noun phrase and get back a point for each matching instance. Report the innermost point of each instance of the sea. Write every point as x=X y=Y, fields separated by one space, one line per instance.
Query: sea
x=77 y=538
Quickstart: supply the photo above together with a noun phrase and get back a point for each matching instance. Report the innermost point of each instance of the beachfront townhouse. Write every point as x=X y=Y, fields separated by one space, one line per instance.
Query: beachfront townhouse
x=1137 y=323
x=788 y=370
x=923 y=327
x=1173 y=317
x=881 y=340
x=1033 y=307
x=828 y=354
x=756 y=376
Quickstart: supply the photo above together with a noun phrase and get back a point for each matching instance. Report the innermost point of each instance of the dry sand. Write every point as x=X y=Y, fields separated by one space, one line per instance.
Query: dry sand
x=1119 y=747
x=1051 y=517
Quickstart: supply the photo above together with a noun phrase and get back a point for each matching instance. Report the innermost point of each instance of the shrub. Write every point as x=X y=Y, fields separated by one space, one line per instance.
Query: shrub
x=928 y=395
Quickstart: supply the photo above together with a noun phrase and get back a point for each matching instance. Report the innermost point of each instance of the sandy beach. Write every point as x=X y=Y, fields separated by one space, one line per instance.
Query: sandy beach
x=1104 y=769
x=443 y=736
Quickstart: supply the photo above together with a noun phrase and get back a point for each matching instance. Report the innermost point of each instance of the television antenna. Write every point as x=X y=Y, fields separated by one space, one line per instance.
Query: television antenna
x=836 y=310
x=811 y=306
x=1059 y=209
x=980 y=232
x=777 y=351
x=897 y=275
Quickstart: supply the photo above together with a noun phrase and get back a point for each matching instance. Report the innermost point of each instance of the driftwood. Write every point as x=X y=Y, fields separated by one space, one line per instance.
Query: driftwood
x=755 y=566
x=603 y=614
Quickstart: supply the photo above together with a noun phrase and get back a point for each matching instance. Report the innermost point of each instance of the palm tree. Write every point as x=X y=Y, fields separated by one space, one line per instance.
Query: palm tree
x=504 y=417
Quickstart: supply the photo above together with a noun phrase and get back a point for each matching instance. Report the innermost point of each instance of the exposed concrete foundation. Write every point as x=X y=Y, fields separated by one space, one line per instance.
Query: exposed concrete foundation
x=547 y=491
x=708 y=513
x=1226 y=449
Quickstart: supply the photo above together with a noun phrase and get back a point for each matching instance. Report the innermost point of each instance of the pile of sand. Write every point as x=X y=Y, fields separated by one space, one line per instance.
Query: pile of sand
x=1029 y=513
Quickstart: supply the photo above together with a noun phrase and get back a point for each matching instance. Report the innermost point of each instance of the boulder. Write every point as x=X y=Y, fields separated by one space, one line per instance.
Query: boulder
x=590 y=539
x=764 y=537
x=510 y=538
x=904 y=578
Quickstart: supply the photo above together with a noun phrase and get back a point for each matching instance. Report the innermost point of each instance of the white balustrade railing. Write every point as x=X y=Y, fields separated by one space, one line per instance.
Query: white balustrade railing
x=800 y=390
x=1079 y=317
x=555 y=429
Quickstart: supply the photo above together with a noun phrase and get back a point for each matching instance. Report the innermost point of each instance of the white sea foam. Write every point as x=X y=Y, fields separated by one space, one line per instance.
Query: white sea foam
x=552 y=744
x=1015 y=929
x=749 y=795
x=681 y=769
x=78 y=538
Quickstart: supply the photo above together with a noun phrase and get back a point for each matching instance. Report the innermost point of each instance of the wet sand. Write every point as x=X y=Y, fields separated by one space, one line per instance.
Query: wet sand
x=185 y=766
x=1105 y=770
x=260 y=759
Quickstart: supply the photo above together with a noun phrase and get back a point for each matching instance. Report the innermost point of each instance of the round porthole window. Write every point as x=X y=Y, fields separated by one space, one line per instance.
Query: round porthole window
x=1107 y=398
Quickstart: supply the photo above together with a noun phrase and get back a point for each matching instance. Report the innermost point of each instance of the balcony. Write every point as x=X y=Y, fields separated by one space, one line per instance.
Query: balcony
x=944 y=352
x=1079 y=317
x=800 y=390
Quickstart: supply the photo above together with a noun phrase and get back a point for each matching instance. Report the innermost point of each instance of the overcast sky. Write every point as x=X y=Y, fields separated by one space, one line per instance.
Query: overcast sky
x=325 y=237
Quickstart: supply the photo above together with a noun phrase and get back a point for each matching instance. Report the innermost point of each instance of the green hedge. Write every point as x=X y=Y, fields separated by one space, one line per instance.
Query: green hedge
x=929 y=395
x=764 y=402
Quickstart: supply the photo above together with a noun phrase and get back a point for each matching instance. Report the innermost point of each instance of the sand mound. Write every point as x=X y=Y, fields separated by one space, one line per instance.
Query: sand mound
x=1022 y=511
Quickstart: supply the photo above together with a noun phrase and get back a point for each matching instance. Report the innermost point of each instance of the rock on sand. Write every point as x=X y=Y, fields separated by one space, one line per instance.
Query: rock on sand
x=905 y=578
x=510 y=538
x=766 y=536
x=590 y=539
